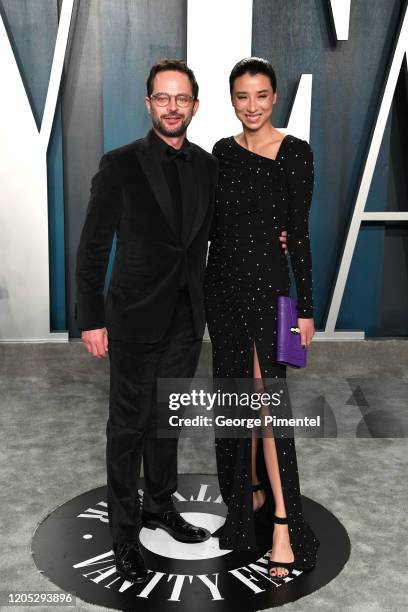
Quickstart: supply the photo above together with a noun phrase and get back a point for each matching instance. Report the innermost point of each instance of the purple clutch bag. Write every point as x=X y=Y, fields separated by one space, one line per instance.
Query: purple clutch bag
x=289 y=352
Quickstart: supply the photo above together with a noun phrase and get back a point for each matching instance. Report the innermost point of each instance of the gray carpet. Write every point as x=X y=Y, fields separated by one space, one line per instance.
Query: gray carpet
x=53 y=414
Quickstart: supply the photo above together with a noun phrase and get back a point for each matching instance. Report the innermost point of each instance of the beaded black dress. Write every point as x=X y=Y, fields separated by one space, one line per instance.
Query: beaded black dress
x=247 y=270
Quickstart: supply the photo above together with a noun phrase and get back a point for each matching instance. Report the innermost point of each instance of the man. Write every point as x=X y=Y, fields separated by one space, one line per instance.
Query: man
x=157 y=195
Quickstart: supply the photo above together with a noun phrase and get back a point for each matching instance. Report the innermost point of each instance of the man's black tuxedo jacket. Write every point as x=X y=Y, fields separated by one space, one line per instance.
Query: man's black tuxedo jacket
x=130 y=196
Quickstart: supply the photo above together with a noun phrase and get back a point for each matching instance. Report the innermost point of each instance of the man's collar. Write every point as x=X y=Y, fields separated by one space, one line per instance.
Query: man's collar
x=165 y=150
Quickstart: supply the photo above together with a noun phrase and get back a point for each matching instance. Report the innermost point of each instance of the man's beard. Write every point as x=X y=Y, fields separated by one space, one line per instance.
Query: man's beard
x=161 y=128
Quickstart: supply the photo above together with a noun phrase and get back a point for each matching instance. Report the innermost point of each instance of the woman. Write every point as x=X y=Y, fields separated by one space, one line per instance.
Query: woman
x=265 y=186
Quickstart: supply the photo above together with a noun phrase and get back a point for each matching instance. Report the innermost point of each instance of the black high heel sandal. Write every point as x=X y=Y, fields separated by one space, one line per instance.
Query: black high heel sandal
x=271 y=564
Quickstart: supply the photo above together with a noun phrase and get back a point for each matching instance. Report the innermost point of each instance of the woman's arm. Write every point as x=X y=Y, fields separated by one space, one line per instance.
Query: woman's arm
x=300 y=179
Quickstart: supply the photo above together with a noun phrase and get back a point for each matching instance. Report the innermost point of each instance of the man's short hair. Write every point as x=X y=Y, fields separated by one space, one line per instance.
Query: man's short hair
x=171 y=64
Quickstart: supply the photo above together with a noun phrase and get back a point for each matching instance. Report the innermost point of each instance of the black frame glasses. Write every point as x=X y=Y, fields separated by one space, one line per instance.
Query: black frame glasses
x=163 y=99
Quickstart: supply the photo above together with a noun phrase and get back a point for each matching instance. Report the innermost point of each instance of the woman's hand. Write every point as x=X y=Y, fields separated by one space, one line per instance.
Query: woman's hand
x=307 y=331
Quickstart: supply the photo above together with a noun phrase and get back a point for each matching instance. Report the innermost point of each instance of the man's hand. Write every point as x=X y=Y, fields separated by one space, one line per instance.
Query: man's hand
x=282 y=238
x=96 y=341
x=307 y=331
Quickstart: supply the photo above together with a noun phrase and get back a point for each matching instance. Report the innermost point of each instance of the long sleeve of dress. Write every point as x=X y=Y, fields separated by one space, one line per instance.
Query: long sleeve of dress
x=300 y=179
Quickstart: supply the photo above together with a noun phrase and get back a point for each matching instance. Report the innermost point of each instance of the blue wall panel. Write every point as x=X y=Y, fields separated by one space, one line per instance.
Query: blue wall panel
x=56 y=226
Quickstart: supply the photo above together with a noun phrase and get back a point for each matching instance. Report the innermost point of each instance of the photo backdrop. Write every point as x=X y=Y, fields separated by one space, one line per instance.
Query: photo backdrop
x=111 y=47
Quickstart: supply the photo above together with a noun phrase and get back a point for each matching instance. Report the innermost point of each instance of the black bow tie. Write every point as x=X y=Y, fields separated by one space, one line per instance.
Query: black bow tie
x=184 y=154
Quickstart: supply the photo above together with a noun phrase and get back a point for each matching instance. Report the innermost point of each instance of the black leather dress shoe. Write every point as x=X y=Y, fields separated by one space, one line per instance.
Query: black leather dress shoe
x=130 y=563
x=175 y=525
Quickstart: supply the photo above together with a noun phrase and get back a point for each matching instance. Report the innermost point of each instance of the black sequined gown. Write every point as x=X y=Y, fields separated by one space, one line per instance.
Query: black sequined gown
x=247 y=269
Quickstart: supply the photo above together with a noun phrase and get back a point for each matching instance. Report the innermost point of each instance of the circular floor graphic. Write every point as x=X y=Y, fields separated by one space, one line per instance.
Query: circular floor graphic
x=72 y=547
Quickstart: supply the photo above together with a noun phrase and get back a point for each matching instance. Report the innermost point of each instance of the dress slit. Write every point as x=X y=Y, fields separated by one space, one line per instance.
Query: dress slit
x=261 y=454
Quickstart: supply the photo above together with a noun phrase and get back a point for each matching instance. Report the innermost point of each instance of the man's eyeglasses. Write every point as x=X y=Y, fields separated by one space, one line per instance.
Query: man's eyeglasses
x=163 y=99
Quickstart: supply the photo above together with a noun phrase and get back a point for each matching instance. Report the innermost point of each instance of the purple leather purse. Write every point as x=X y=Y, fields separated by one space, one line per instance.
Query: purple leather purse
x=289 y=351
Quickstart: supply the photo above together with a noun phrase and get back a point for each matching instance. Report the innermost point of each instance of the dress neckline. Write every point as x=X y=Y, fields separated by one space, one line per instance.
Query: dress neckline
x=257 y=154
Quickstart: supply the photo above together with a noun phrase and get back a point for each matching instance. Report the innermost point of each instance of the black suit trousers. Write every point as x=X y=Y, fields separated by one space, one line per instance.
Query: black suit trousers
x=133 y=413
